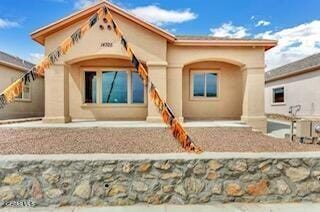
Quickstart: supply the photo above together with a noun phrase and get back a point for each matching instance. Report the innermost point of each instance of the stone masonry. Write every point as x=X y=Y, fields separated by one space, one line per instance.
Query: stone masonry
x=174 y=181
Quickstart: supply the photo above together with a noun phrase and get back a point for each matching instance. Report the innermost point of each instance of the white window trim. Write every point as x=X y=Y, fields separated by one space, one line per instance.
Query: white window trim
x=272 y=96
x=204 y=98
x=99 y=103
x=23 y=98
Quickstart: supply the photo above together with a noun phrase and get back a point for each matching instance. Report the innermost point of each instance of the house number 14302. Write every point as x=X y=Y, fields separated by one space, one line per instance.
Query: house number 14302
x=106 y=44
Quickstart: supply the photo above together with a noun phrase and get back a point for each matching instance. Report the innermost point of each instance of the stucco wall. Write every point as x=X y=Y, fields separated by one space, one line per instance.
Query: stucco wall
x=299 y=90
x=97 y=180
x=228 y=104
x=165 y=64
x=22 y=109
x=78 y=110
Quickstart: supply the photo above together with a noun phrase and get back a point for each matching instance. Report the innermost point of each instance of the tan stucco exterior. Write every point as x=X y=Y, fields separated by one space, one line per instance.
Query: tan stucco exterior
x=21 y=108
x=240 y=67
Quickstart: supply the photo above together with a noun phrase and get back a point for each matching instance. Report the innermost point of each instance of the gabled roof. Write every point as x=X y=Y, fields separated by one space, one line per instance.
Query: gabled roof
x=304 y=65
x=15 y=62
x=40 y=34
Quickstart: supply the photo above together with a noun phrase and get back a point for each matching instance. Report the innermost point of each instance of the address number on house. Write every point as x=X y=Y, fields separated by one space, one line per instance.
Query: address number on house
x=107 y=44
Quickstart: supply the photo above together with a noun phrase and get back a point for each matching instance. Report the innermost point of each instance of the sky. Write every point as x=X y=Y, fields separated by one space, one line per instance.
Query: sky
x=294 y=23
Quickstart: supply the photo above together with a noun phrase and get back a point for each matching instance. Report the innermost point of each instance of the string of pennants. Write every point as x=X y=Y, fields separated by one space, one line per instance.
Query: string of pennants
x=15 y=89
x=9 y=94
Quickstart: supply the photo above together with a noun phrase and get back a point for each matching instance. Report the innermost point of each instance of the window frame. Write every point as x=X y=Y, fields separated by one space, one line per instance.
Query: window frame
x=99 y=72
x=204 y=98
x=272 y=96
x=23 y=98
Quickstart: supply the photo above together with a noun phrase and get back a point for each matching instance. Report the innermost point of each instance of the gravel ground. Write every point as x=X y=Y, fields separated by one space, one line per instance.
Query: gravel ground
x=138 y=140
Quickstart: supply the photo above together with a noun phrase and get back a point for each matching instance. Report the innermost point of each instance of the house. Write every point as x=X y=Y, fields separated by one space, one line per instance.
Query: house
x=293 y=84
x=30 y=103
x=201 y=77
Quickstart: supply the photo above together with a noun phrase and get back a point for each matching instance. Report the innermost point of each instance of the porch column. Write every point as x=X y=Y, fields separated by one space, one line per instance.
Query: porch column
x=57 y=95
x=253 y=98
x=158 y=74
x=175 y=77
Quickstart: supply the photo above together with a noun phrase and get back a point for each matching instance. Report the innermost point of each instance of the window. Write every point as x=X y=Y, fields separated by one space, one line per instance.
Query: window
x=137 y=89
x=114 y=87
x=278 y=95
x=205 y=84
x=90 y=87
x=26 y=92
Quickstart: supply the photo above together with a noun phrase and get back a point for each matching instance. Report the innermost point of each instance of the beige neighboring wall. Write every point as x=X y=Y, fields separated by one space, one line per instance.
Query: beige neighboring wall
x=22 y=108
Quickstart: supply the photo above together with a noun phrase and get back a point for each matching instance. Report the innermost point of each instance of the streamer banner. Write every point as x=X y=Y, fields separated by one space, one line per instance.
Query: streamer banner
x=167 y=114
x=15 y=89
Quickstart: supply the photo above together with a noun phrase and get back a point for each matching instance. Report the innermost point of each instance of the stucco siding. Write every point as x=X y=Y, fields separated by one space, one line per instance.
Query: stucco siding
x=228 y=104
x=298 y=90
x=22 y=109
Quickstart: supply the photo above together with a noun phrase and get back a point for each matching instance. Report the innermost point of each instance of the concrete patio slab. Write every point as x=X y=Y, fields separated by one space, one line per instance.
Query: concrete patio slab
x=121 y=124
x=236 y=207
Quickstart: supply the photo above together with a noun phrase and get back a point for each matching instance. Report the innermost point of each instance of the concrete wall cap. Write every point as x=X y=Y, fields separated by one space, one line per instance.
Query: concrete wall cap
x=168 y=156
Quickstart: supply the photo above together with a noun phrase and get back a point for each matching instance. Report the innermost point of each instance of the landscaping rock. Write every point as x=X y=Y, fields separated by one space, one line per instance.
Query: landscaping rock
x=6 y=194
x=297 y=174
x=258 y=189
x=193 y=185
x=144 y=167
x=214 y=165
x=233 y=189
x=83 y=190
x=139 y=186
x=13 y=179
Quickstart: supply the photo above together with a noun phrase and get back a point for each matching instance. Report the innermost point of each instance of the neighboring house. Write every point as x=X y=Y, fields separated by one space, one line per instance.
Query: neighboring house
x=297 y=83
x=201 y=77
x=31 y=102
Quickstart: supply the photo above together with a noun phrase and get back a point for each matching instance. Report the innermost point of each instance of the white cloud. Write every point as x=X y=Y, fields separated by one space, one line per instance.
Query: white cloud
x=5 y=24
x=159 y=16
x=229 y=30
x=263 y=23
x=294 y=43
x=150 y=13
x=35 y=57
x=81 y=4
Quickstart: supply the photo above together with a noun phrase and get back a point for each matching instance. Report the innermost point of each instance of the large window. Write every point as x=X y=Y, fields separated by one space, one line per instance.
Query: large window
x=278 y=95
x=26 y=92
x=204 y=84
x=114 y=87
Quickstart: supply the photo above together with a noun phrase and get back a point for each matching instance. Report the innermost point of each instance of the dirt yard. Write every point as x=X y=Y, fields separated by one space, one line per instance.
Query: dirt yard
x=137 y=140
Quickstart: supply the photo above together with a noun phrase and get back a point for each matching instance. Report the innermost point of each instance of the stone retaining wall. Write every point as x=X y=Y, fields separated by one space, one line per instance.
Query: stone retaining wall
x=148 y=180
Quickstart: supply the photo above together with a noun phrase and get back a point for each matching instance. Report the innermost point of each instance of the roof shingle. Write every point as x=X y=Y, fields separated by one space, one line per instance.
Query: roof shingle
x=7 y=58
x=293 y=68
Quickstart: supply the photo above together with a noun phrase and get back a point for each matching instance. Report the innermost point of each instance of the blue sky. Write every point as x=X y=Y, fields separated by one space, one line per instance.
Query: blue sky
x=295 y=23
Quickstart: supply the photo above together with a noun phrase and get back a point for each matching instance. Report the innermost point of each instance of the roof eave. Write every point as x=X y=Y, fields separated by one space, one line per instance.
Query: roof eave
x=267 y=44
x=14 y=66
